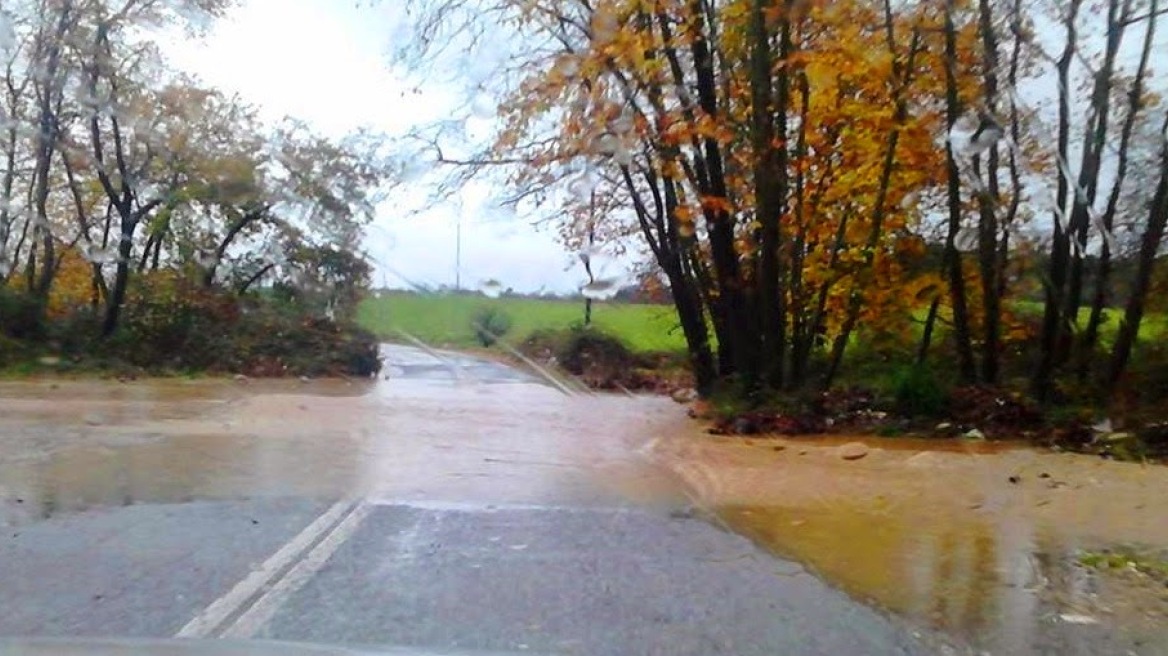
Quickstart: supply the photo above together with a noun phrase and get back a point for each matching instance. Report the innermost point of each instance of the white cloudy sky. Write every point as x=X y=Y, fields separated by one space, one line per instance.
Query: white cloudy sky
x=327 y=62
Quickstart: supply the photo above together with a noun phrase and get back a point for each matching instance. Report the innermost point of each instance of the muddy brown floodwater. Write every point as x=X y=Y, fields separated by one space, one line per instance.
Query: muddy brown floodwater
x=982 y=540
x=937 y=532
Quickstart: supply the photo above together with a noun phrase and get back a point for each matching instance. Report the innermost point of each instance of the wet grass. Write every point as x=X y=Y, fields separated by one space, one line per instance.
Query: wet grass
x=445 y=319
x=1123 y=559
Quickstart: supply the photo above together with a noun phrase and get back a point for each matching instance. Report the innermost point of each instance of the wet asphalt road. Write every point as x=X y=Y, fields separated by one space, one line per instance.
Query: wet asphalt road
x=467 y=574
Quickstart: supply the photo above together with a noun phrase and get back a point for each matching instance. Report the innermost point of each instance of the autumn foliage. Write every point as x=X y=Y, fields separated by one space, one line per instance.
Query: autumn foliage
x=812 y=174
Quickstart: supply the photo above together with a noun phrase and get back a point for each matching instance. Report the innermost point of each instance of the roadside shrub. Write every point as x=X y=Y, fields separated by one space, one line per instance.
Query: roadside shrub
x=21 y=315
x=173 y=324
x=917 y=392
x=489 y=324
x=75 y=334
x=586 y=348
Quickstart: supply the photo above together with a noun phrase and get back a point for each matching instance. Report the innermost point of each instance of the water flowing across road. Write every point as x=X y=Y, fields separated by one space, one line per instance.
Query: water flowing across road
x=460 y=502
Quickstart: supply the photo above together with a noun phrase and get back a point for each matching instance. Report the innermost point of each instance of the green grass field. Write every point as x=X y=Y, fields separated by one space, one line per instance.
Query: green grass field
x=1153 y=326
x=445 y=320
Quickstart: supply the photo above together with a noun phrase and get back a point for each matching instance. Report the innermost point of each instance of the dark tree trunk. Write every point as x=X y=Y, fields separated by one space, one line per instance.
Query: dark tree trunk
x=1094 y=141
x=1052 y=317
x=117 y=296
x=955 y=274
x=768 y=124
x=1103 y=273
x=743 y=346
x=46 y=145
x=1129 y=327
x=988 y=203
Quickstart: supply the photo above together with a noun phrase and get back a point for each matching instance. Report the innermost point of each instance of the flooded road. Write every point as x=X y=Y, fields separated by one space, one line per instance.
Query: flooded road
x=982 y=540
x=447 y=429
x=977 y=540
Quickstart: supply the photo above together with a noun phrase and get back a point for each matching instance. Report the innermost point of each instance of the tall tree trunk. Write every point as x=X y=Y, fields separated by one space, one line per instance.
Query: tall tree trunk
x=743 y=346
x=902 y=71
x=1135 y=104
x=662 y=236
x=117 y=295
x=1129 y=327
x=954 y=271
x=49 y=50
x=802 y=341
x=1087 y=188
x=768 y=107
x=1052 y=316
x=988 y=202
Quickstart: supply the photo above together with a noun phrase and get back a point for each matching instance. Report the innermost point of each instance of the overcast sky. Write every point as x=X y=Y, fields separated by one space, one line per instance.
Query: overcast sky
x=327 y=62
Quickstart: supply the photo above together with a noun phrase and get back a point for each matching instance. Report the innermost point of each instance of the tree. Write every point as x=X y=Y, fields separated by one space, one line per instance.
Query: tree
x=117 y=165
x=784 y=163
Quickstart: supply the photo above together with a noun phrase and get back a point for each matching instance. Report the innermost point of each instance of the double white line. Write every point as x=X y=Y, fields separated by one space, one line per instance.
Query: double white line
x=251 y=604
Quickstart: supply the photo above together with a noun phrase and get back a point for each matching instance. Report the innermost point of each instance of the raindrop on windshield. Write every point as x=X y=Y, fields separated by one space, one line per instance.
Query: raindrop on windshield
x=605 y=25
x=568 y=65
x=623 y=156
x=586 y=255
x=483 y=105
x=966 y=239
x=987 y=134
x=582 y=187
x=606 y=144
x=600 y=289
x=491 y=288
x=206 y=259
x=623 y=124
x=97 y=254
x=7 y=33
x=413 y=170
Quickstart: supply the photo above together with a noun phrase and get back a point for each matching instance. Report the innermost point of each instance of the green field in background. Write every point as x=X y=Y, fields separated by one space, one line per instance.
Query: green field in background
x=1153 y=326
x=445 y=319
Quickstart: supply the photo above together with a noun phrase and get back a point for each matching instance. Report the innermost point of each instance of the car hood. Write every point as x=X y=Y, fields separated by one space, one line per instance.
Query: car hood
x=186 y=647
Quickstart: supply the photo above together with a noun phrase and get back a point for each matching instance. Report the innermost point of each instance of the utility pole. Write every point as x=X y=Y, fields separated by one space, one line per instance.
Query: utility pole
x=458 y=255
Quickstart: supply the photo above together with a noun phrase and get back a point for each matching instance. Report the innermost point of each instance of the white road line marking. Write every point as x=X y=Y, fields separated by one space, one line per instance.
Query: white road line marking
x=205 y=623
x=262 y=611
x=487 y=507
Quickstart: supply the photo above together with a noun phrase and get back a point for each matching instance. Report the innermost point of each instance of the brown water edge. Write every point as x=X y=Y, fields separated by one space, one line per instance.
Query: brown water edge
x=931 y=530
x=938 y=533
x=68 y=449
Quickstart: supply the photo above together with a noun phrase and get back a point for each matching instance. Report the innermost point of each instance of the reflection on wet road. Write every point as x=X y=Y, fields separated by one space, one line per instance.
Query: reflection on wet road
x=939 y=535
x=977 y=539
x=409 y=436
x=478 y=509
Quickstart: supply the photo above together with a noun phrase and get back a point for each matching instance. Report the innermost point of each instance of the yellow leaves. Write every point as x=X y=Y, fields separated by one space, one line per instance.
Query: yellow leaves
x=672 y=170
x=72 y=286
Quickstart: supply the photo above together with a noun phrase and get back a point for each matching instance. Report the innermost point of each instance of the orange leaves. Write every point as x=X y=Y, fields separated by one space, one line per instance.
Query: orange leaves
x=844 y=89
x=717 y=204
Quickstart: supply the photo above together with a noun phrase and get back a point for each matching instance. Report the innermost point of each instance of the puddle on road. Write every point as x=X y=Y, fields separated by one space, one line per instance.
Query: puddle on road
x=942 y=536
